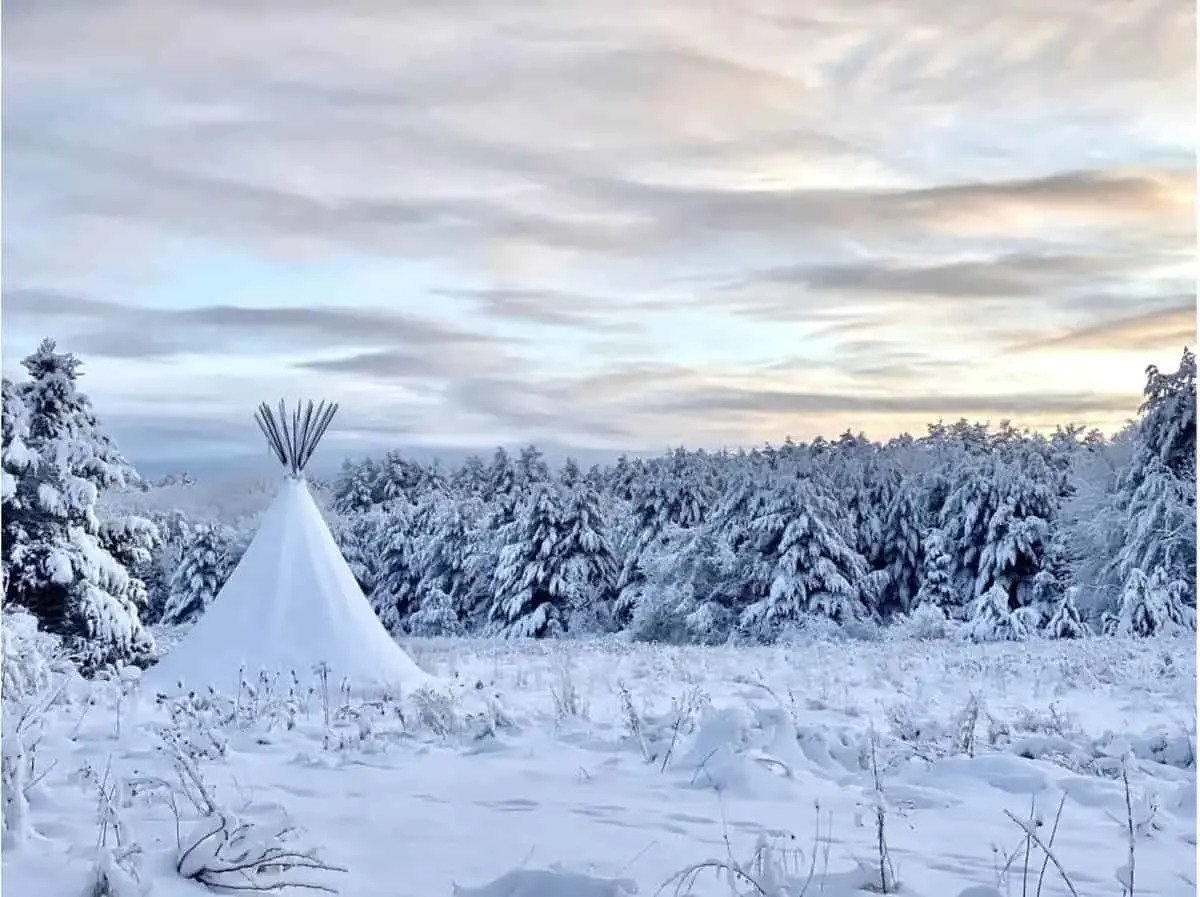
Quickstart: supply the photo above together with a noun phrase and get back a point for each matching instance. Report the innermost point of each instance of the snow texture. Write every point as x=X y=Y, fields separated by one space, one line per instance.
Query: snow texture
x=291 y=605
x=575 y=769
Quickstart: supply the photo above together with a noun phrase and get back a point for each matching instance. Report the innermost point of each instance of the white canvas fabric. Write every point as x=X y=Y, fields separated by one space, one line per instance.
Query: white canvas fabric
x=291 y=604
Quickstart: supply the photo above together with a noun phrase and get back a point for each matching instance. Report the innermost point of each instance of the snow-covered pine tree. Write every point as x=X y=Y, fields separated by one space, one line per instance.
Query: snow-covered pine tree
x=470 y=478
x=937 y=579
x=671 y=494
x=132 y=541
x=395 y=594
x=436 y=616
x=900 y=548
x=992 y=619
x=624 y=477
x=1065 y=621
x=1050 y=585
x=360 y=537
x=684 y=489
x=173 y=533
x=1154 y=605
x=399 y=478
x=450 y=574
x=997 y=517
x=17 y=461
x=530 y=593
x=205 y=564
x=570 y=474
x=58 y=569
x=1160 y=528
x=801 y=565
x=502 y=494
x=692 y=594
x=357 y=487
x=970 y=502
x=1168 y=417
x=1018 y=531
x=1154 y=504
x=531 y=468
x=589 y=567
x=431 y=481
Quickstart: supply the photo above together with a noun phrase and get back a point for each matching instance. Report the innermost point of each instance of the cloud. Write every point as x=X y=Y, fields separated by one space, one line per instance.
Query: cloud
x=764 y=401
x=121 y=330
x=547 y=308
x=606 y=226
x=1003 y=276
x=1173 y=325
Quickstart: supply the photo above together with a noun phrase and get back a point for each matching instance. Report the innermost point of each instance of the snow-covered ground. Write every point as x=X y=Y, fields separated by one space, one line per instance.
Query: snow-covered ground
x=634 y=763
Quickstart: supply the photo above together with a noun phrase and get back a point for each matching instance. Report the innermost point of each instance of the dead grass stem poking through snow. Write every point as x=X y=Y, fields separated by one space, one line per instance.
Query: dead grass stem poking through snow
x=771 y=871
x=884 y=874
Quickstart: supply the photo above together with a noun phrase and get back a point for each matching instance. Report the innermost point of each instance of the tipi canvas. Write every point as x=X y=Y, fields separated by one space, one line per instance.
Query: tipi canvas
x=292 y=604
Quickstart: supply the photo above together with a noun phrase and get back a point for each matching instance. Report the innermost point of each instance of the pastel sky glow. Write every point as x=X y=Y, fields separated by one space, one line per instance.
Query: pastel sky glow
x=601 y=226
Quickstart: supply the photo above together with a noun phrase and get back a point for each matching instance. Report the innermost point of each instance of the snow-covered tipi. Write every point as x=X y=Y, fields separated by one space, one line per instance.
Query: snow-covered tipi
x=291 y=604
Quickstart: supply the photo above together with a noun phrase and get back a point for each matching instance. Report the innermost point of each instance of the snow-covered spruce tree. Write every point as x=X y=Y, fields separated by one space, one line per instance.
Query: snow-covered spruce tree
x=624 y=476
x=670 y=495
x=747 y=497
x=1160 y=528
x=394 y=596
x=399 y=479
x=436 y=616
x=1154 y=504
x=937 y=581
x=1065 y=620
x=589 y=567
x=900 y=548
x=997 y=517
x=132 y=541
x=691 y=594
x=530 y=594
x=470 y=478
x=1050 y=585
x=357 y=486
x=1168 y=417
x=1092 y=525
x=801 y=565
x=360 y=537
x=993 y=620
x=204 y=566
x=450 y=579
x=570 y=474
x=1154 y=605
x=17 y=462
x=57 y=567
x=531 y=468
x=173 y=533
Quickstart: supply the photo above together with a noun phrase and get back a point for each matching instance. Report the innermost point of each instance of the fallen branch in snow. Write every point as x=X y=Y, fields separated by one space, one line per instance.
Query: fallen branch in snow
x=227 y=855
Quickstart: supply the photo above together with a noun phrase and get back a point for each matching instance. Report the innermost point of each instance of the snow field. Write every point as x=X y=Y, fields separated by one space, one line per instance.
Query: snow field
x=583 y=768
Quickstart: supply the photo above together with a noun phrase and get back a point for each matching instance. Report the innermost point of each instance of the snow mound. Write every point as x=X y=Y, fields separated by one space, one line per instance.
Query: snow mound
x=550 y=883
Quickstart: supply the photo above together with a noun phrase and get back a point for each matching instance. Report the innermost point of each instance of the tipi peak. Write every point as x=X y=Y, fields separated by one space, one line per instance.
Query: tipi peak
x=293 y=438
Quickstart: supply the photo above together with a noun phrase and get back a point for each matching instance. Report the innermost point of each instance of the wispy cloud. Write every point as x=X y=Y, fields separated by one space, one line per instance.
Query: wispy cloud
x=1172 y=324
x=613 y=227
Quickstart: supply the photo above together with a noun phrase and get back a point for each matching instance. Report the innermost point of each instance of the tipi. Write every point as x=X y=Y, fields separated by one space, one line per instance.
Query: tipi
x=291 y=604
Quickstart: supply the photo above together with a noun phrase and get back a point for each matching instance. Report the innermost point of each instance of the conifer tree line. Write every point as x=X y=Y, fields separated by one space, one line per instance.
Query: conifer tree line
x=989 y=533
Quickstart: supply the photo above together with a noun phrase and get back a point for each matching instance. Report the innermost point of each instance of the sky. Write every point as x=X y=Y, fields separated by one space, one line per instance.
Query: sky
x=596 y=226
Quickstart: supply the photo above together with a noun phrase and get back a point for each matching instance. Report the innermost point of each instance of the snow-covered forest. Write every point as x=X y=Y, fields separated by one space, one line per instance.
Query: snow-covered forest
x=969 y=531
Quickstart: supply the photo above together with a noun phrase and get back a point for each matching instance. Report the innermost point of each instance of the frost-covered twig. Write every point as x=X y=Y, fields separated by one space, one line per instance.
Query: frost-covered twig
x=1027 y=827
